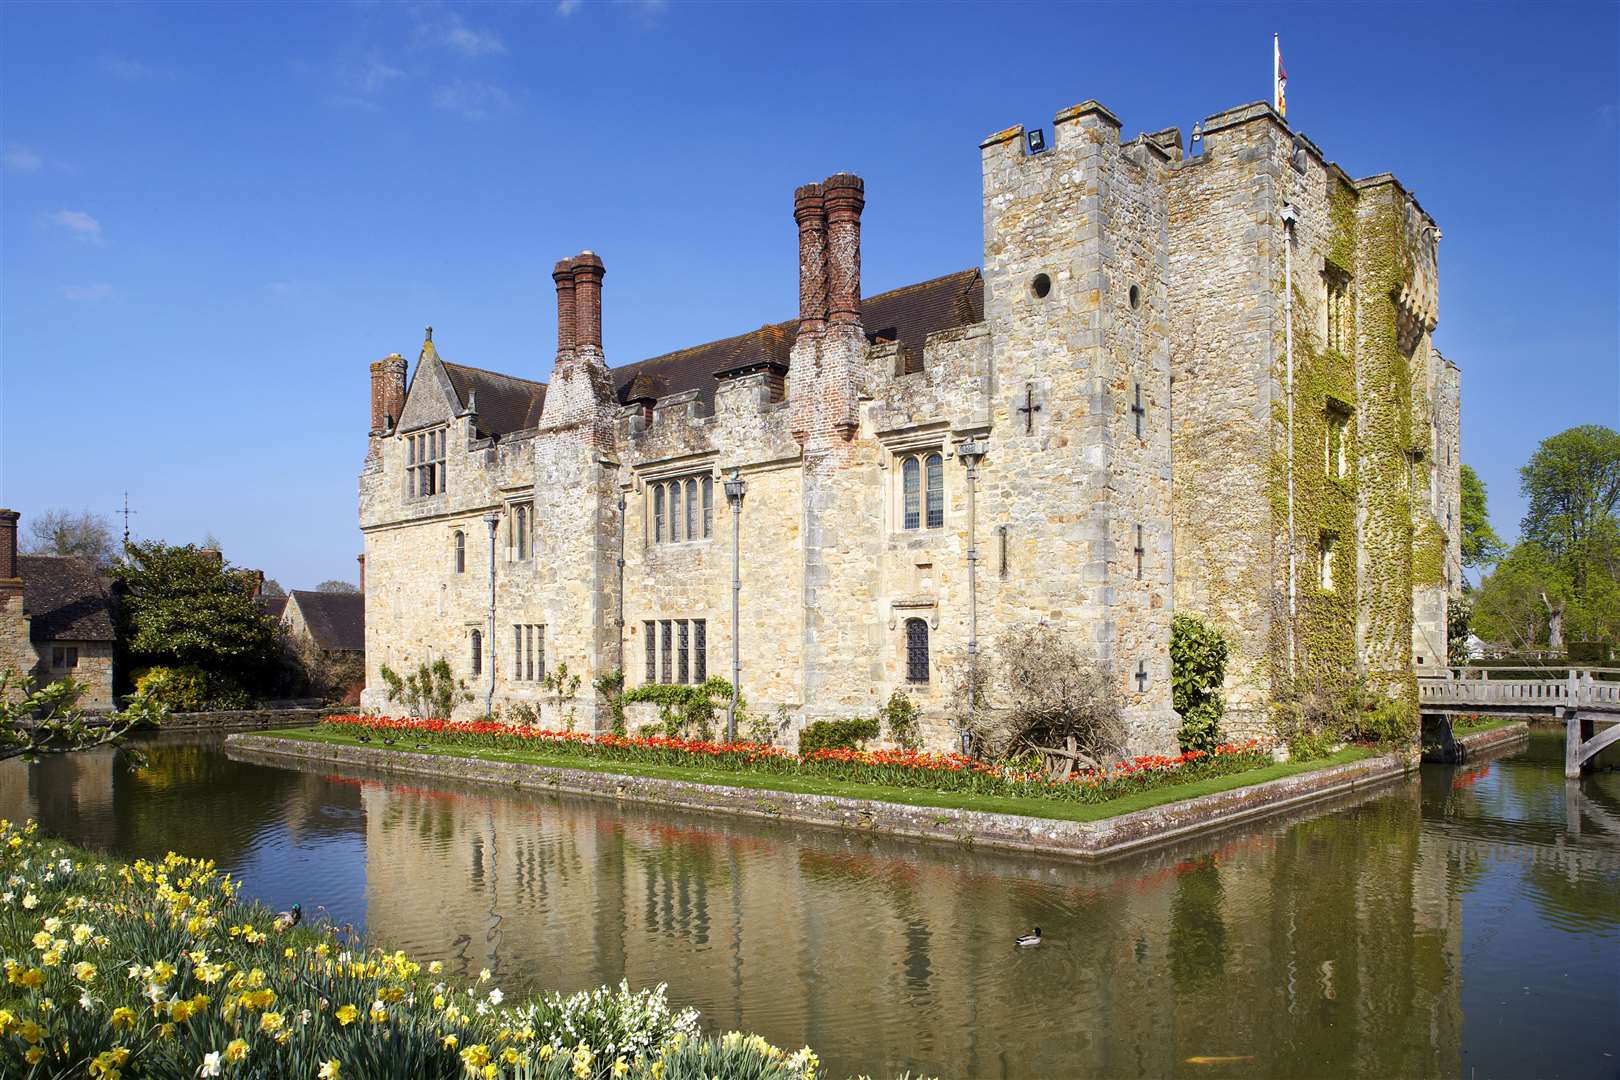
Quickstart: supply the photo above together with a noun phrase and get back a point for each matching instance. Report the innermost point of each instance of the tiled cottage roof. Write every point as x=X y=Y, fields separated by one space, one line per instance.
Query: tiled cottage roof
x=907 y=314
x=504 y=403
x=65 y=599
x=336 y=621
x=272 y=606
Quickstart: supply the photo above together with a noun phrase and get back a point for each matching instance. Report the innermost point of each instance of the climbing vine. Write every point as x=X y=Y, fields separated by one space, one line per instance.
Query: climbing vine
x=1367 y=504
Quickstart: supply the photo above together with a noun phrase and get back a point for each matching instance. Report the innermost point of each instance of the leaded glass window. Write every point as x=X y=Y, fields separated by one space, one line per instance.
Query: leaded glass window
x=708 y=505
x=477 y=652
x=700 y=650
x=650 y=630
x=658 y=514
x=936 y=491
x=667 y=631
x=916 y=651
x=911 y=485
x=683 y=670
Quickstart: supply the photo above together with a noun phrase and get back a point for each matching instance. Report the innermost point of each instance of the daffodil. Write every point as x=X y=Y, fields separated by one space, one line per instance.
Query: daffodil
x=347 y=1014
x=210 y=1064
x=329 y=1070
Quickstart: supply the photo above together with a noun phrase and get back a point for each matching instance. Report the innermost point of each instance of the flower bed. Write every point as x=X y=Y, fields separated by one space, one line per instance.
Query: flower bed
x=162 y=970
x=894 y=768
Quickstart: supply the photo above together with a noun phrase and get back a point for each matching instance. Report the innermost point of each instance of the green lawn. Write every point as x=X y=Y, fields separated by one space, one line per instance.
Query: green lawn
x=1483 y=723
x=804 y=785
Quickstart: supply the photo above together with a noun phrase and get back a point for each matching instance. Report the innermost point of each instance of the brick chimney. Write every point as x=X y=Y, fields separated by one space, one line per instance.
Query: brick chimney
x=10 y=581
x=844 y=196
x=588 y=274
x=563 y=275
x=810 y=214
x=387 y=392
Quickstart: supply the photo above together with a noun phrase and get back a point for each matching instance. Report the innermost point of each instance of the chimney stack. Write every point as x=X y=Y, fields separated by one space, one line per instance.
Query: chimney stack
x=844 y=196
x=10 y=580
x=588 y=274
x=809 y=212
x=387 y=392
x=563 y=275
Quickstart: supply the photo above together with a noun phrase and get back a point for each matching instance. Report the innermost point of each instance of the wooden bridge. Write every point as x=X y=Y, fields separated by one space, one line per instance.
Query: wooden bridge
x=1583 y=698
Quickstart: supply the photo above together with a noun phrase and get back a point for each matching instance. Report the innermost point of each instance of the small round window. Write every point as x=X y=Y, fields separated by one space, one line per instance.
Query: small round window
x=1040 y=286
x=1135 y=297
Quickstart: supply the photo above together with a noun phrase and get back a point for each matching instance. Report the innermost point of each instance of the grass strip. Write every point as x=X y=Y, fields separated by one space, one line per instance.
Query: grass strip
x=909 y=796
x=1483 y=723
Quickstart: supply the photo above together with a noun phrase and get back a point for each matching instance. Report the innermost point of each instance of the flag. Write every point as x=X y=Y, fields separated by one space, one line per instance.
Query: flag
x=1279 y=79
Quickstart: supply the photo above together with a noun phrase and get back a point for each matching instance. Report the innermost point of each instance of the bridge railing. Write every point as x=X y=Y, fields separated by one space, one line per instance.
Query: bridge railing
x=1475 y=687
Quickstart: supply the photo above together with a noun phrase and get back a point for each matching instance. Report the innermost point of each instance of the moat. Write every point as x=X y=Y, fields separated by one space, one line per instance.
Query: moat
x=1465 y=922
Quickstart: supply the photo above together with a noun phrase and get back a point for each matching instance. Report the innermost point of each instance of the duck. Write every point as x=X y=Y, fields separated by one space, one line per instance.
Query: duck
x=1029 y=940
x=363 y=737
x=388 y=741
x=290 y=918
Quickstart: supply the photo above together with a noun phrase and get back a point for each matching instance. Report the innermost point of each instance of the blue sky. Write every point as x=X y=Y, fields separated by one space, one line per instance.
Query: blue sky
x=214 y=216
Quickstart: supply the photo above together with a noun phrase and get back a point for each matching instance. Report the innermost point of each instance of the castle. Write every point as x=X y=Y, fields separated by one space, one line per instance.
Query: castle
x=1184 y=382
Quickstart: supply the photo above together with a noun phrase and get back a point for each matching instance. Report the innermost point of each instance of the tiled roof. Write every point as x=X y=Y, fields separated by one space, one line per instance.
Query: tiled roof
x=907 y=314
x=65 y=598
x=336 y=621
x=505 y=403
x=272 y=606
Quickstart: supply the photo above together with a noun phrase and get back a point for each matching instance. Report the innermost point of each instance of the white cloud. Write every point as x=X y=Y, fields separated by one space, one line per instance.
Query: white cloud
x=89 y=293
x=22 y=159
x=448 y=30
x=77 y=222
x=374 y=75
x=566 y=8
x=123 y=67
x=472 y=99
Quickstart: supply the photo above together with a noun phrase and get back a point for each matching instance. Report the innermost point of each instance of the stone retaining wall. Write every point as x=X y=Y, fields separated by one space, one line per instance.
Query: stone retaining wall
x=1481 y=741
x=235 y=719
x=1074 y=839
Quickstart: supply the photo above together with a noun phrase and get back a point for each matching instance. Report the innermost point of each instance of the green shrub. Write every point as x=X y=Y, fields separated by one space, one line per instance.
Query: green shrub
x=684 y=709
x=179 y=689
x=900 y=718
x=1310 y=745
x=1198 y=655
x=611 y=687
x=848 y=734
x=431 y=690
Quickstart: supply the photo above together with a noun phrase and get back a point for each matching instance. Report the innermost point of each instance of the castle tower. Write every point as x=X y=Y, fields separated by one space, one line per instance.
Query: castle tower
x=1076 y=296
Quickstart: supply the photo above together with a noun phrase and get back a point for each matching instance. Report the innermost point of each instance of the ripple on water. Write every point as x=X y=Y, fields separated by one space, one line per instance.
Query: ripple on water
x=1279 y=945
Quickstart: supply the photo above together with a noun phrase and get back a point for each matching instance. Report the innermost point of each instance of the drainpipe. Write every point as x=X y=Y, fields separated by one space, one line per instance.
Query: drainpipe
x=736 y=487
x=622 y=505
x=1288 y=219
x=493 y=520
x=971 y=452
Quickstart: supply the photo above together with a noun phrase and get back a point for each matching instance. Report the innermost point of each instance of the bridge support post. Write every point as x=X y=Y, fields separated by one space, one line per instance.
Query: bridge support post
x=1578 y=731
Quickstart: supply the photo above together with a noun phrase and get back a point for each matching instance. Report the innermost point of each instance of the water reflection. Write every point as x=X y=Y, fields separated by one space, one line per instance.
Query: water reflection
x=1467 y=918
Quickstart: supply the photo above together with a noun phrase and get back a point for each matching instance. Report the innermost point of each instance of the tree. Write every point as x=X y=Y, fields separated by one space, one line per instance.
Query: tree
x=1480 y=544
x=47 y=720
x=271 y=587
x=62 y=532
x=182 y=606
x=338 y=587
x=1573 y=485
x=1046 y=695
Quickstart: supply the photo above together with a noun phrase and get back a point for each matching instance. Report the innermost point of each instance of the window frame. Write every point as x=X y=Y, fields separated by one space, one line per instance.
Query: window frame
x=426 y=472
x=476 y=643
x=921 y=496
x=916 y=628
x=680 y=508
x=459 y=560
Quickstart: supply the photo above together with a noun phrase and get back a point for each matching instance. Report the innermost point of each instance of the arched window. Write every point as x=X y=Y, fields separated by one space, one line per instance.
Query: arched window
x=674 y=492
x=911 y=484
x=691 y=510
x=936 y=491
x=477 y=652
x=708 y=505
x=658 y=514
x=916 y=651
x=461 y=552
x=520 y=530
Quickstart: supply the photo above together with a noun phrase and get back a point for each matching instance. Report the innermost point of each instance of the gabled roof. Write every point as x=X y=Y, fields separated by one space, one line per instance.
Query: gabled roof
x=65 y=599
x=907 y=314
x=336 y=621
x=504 y=403
x=272 y=606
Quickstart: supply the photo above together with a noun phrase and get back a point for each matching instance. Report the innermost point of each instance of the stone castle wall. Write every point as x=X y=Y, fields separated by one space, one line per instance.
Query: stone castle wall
x=1129 y=380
